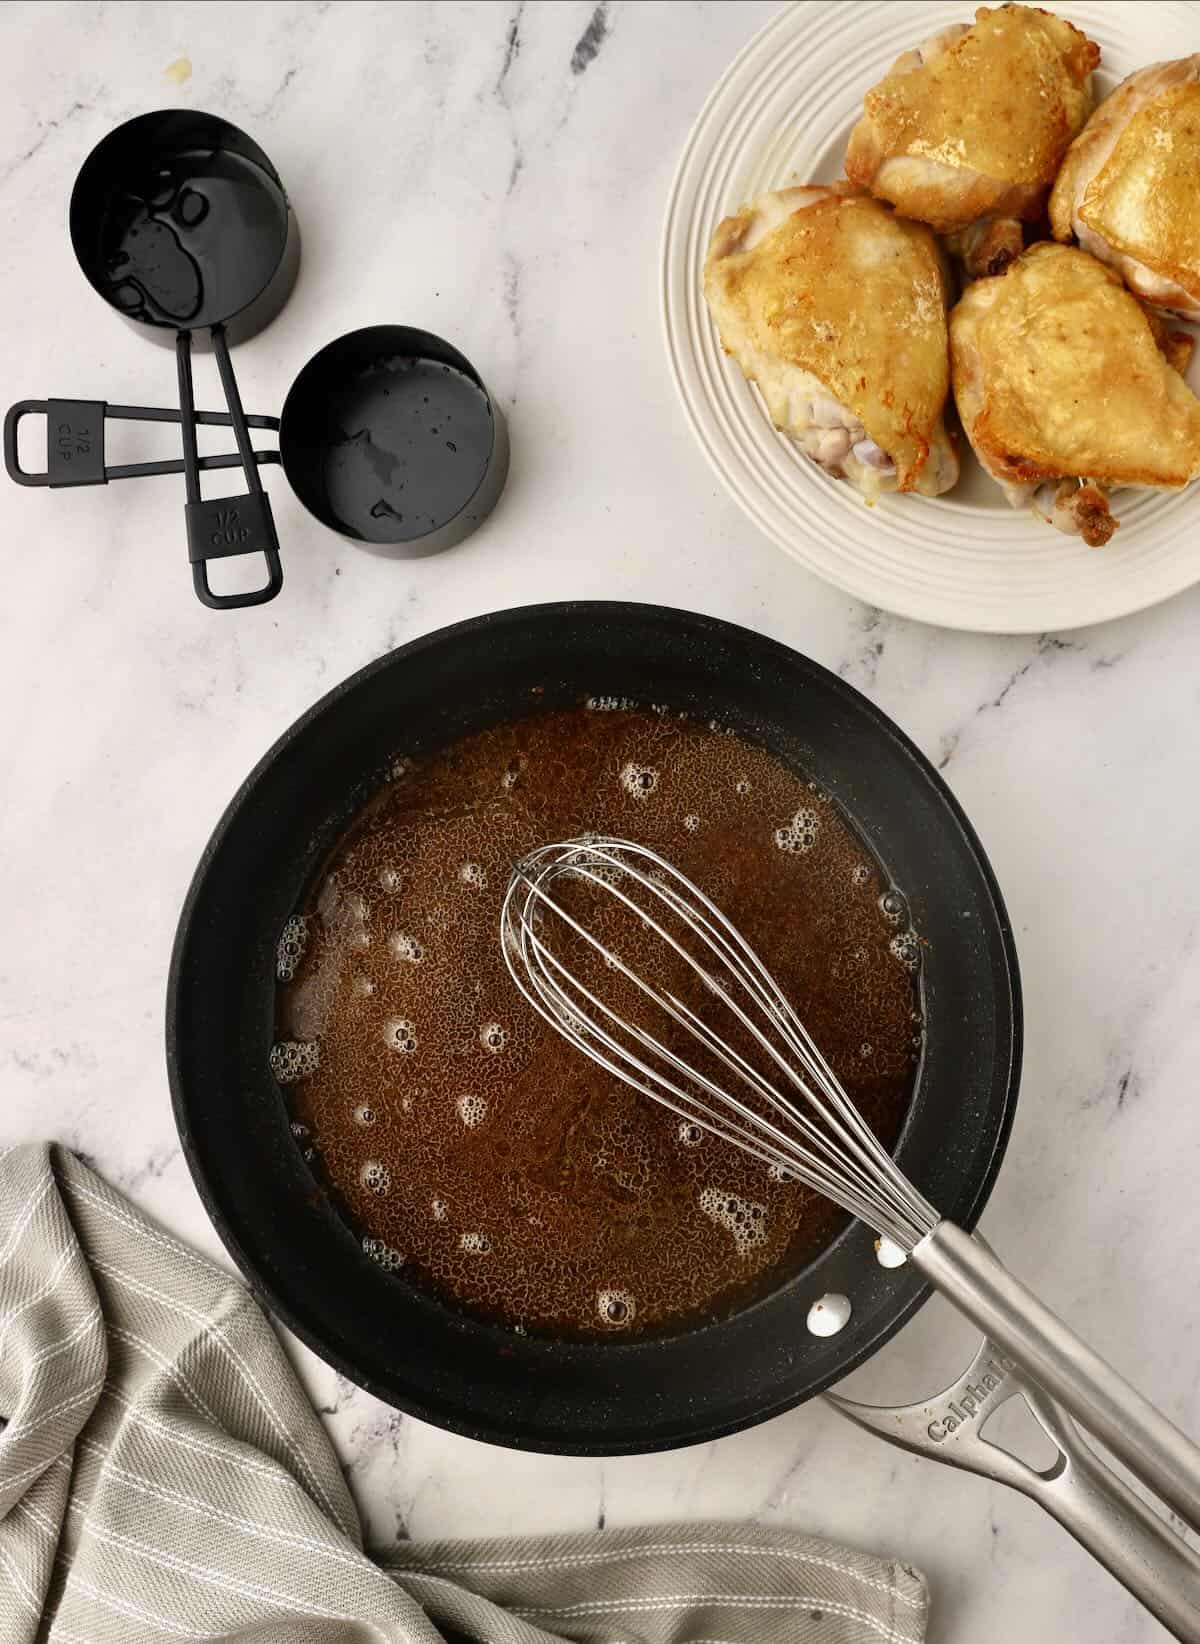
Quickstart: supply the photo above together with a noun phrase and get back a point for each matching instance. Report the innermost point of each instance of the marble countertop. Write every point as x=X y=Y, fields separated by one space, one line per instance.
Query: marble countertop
x=496 y=173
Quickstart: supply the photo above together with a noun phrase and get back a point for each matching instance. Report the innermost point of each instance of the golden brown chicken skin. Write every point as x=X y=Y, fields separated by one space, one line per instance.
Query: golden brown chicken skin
x=1063 y=380
x=1129 y=188
x=836 y=310
x=972 y=125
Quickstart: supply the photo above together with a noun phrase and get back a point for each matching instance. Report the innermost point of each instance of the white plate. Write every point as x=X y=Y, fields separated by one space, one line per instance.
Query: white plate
x=782 y=113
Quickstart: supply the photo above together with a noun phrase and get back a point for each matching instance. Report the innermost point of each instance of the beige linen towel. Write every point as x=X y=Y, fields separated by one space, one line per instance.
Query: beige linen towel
x=163 y=1478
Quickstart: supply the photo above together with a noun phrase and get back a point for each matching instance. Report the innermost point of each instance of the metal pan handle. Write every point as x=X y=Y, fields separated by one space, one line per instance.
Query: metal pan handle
x=75 y=442
x=1053 y=1357
x=1087 y=1498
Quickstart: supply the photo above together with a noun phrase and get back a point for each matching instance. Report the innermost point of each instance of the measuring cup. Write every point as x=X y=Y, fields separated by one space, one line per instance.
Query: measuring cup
x=388 y=436
x=180 y=222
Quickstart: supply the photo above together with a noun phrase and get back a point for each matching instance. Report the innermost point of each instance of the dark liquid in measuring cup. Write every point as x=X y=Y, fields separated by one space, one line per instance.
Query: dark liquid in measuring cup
x=412 y=442
x=195 y=240
x=474 y=1150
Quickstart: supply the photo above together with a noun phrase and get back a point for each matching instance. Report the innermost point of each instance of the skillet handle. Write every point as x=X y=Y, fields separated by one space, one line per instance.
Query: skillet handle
x=1087 y=1497
x=1052 y=1356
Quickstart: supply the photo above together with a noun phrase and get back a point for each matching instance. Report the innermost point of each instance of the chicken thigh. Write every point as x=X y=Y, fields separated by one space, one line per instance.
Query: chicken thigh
x=1068 y=388
x=836 y=310
x=1127 y=190
x=967 y=131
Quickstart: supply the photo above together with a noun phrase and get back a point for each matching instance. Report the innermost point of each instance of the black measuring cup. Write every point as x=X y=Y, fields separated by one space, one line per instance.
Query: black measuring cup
x=388 y=436
x=180 y=222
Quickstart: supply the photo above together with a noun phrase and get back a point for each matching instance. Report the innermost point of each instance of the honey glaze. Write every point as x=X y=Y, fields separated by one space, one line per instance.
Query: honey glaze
x=473 y=1149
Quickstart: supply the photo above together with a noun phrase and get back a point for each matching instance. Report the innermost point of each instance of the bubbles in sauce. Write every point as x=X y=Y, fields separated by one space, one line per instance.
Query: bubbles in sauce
x=400 y=1035
x=493 y=1037
x=472 y=1110
x=800 y=834
x=471 y=1147
x=743 y=1219
x=385 y=1254
x=375 y=1177
x=293 y=1059
x=616 y=1307
x=290 y=950
x=639 y=781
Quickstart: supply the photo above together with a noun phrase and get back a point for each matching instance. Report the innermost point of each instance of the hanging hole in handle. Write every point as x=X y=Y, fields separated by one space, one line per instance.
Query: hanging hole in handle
x=22 y=455
x=229 y=579
x=260 y=594
x=74 y=442
x=1013 y=1428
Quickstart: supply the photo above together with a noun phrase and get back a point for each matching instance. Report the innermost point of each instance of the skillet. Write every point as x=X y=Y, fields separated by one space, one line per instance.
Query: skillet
x=421 y=1354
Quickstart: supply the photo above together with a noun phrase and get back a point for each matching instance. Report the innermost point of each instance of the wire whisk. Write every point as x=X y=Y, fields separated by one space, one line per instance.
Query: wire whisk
x=804 y=1123
x=709 y=1035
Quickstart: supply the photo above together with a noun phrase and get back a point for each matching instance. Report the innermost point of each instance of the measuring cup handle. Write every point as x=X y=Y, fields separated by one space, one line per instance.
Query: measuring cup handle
x=12 y=461
x=219 y=527
x=75 y=452
x=74 y=442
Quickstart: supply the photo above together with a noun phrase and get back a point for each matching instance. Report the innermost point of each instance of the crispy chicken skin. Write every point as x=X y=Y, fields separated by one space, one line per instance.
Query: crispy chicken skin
x=974 y=123
x=1063 y=378
x=1127 y=190
x=836 y=310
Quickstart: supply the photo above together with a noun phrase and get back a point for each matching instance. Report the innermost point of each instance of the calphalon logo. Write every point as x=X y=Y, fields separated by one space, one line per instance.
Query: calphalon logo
x=972 y=1400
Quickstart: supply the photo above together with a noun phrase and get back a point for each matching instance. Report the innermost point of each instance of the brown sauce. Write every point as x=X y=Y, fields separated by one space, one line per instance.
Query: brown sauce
x=474 y=1149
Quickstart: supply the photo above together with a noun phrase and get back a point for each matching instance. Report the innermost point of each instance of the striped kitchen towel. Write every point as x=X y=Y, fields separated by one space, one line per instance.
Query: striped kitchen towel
x=163 y=1478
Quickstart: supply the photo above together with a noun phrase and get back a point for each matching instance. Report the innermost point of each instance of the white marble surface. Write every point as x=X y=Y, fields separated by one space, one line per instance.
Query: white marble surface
x=481 y=170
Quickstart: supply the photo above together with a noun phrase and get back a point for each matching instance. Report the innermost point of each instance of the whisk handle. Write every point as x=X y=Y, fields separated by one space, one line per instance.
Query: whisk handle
x=1156 y=1452
x=1087 y=1497
x=1114 y=1524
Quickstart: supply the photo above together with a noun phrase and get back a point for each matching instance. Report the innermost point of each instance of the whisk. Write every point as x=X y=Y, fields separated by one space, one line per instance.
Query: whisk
x=744 y=1068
